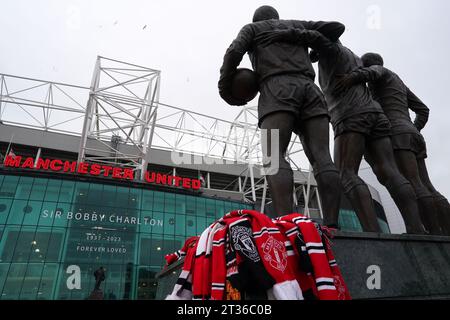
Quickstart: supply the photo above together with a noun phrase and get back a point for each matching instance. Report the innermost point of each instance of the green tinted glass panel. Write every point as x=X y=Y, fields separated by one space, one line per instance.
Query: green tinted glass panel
x=220 y=208
x=31 y=280
x=348 y=221
x=201 y=225
x=134 y=199
x=32 y=212
x=24 y=188
x=38 y=189
x=47 y=282
x=5 y=207
x=9 y=241
x=191 y=226
x=169 y=203
x=109 y=195
x=4 y=268
x=67 y=191
x=155 y=252
x=201 y=206
x=144 y=257
x=147 y=283
x=158 y=201
x=54 y=230
x=94 y=194
x=210 y=207
x=190 y=205
x=48 y=214
x=158 y=222
x=180 y=225
x=169 y=224
x=180 y=201
x=384 y=226
x=145 y=221
x=14 y=280
x=226 y=206
x=81 y=192
x=52 y=191
x=9 y=187
x=62 y=211
x=147 y=200
x=17 y=212
x=237 y=206
x=122 y=196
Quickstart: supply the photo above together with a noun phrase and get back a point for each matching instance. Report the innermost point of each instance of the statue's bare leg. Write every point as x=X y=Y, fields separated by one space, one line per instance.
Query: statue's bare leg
x=442 y=205
x=348 y=152
x=380 y=156
x=281 y=184
x=315 y=138
x=407 y=163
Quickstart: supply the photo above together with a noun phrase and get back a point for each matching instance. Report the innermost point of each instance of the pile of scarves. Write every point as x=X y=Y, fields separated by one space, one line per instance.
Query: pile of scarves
x=247 y=255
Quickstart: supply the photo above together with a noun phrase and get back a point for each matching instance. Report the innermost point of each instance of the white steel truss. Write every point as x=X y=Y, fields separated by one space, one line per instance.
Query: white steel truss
x=122 y=109
x=41 y=104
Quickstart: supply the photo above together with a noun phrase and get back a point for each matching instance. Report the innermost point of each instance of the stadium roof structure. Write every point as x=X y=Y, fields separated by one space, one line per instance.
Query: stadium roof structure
x=122 y=107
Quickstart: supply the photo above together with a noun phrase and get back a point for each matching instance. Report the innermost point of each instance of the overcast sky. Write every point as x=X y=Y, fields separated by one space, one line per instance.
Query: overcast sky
x=186 y=40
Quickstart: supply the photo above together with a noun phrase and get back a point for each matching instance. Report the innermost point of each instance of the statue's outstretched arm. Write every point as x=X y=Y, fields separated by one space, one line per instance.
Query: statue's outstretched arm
x=233 y=56
x=420 y=109
x=332 y=30
x=358 y=76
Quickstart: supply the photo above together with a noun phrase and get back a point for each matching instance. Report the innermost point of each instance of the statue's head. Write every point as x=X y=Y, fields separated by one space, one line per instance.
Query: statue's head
x=265 y=13
x=371 y=59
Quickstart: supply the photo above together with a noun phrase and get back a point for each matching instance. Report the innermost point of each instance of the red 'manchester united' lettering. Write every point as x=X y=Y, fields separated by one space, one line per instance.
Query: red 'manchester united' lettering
x=11 y=161
x=84 y=168
x=56 y=165
x=43 y=163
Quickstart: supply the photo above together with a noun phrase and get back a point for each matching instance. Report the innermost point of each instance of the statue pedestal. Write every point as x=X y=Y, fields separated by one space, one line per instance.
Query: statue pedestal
x=96 y=295
x=377 y=266
x=409 y=266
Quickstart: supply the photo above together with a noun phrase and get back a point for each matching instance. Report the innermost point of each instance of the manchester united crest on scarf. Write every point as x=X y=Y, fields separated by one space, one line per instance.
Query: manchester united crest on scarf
x=275 y=253
x=243 y=241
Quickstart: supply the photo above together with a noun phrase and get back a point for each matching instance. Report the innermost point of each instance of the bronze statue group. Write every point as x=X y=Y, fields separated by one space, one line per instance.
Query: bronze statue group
x=367 y=104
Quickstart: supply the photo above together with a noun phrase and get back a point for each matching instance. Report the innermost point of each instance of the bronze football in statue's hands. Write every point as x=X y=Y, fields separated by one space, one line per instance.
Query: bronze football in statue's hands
x=244 y=85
